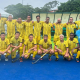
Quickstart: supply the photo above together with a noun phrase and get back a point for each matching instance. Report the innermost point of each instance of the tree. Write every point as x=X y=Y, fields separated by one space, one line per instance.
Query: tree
x=70 y=6
x=19 y=10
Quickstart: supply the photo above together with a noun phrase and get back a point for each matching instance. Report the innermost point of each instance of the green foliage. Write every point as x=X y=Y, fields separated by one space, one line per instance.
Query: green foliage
x=70 y=6
x=22 y=11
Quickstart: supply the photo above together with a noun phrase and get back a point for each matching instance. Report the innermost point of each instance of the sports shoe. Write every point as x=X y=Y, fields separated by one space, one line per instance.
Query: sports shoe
x=6 y=58
x=49 y=57
x=56 y=59
x=21 y=60
x=77 y=60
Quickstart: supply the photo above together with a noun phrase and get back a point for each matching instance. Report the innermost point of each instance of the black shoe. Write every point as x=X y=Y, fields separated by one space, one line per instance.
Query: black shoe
x=64 y=58
x=49 y=57
x=56 y=59
x=77 y=60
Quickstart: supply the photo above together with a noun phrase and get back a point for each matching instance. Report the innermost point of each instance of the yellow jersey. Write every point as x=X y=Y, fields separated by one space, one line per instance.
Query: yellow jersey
x=69 y=28
x=16 y=42
x=58 y=28
x=28 y=28
x=72 y=44
x=47 y=28
x=20 y=28
x=78 y=24
x=4 y=44
x=11 y=27
x=44 y=44
x=2 y=23
x=37 y=28
x=62 y=45
x=30 y=44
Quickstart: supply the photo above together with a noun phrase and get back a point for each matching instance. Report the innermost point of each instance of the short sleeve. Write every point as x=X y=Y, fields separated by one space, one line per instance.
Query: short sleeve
x=75 y=26
x=50 y=42
x=76 y=22
x=51 y=25
x=35 y=42
x=64 y=25
x=76 y=41
x=20 y=40
x=40 y=43
x=66 y=42
x=54 y=24
x=8 y=43
x=25 y=42
x=11 y=41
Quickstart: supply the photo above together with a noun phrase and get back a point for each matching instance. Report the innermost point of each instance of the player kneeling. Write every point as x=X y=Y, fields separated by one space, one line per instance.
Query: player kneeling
x=16 y=44
x=30 y=46
x=61 y=47
x=73 y=45
x=4 y=46
x=45 y=46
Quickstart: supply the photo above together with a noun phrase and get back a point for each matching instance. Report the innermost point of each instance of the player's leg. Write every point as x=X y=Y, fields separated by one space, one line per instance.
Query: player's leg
x=13 y=53
x=50 y=54
x=40 y=53
x=26 y=55
x=56 y=54
x=34 y=53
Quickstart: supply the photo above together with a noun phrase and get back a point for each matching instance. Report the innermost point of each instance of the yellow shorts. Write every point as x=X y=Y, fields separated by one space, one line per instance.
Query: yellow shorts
x=37 y=38
x=63 y=53
x=56 y=38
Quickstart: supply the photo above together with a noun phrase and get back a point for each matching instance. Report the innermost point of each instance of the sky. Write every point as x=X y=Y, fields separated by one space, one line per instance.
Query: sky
x=34 y=3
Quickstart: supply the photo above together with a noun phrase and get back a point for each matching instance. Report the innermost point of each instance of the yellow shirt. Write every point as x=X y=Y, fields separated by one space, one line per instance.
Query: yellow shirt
x=28 y=28
x=72 y=44
x=62 y=45
x=45 y=45
x=20 y=28
x=11 y=27
x=2 y=23
x=58 y=28
x=4 y=44
x=16 y=42
x=47 y=29
x=30 y=44
x=78 y=24
x=37 y=28
x=69 y=28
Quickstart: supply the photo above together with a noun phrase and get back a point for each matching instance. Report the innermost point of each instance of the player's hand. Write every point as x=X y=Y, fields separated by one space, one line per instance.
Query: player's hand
x=32 y=21
x=2 y=52
x=13 y=49
x=29 y=50
x=72 y=51
x=22 y=55
x=60 y=51
x=16 y=47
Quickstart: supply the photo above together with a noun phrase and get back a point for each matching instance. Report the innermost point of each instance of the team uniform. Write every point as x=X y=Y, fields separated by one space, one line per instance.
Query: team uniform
x=47 y=29
x=28 y=29
x=17 y=42
x=44 y=44
x=4 y=44
x=30 y=44
x=69 y=29
x=20 y=28
x=78 y=24
x=62 y=46
x=58 y=31
x=2 y=23
x=37 y=31
x=10 y=28
x=71 y=45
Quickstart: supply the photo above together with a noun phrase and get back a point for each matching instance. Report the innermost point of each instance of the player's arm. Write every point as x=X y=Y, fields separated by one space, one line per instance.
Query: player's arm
x=13 y=46
x=7 y=49
x=42 y=48
x=19 y=45
x=50 y=47
x=24 y=49
x=56 y=48
x=53 y=27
